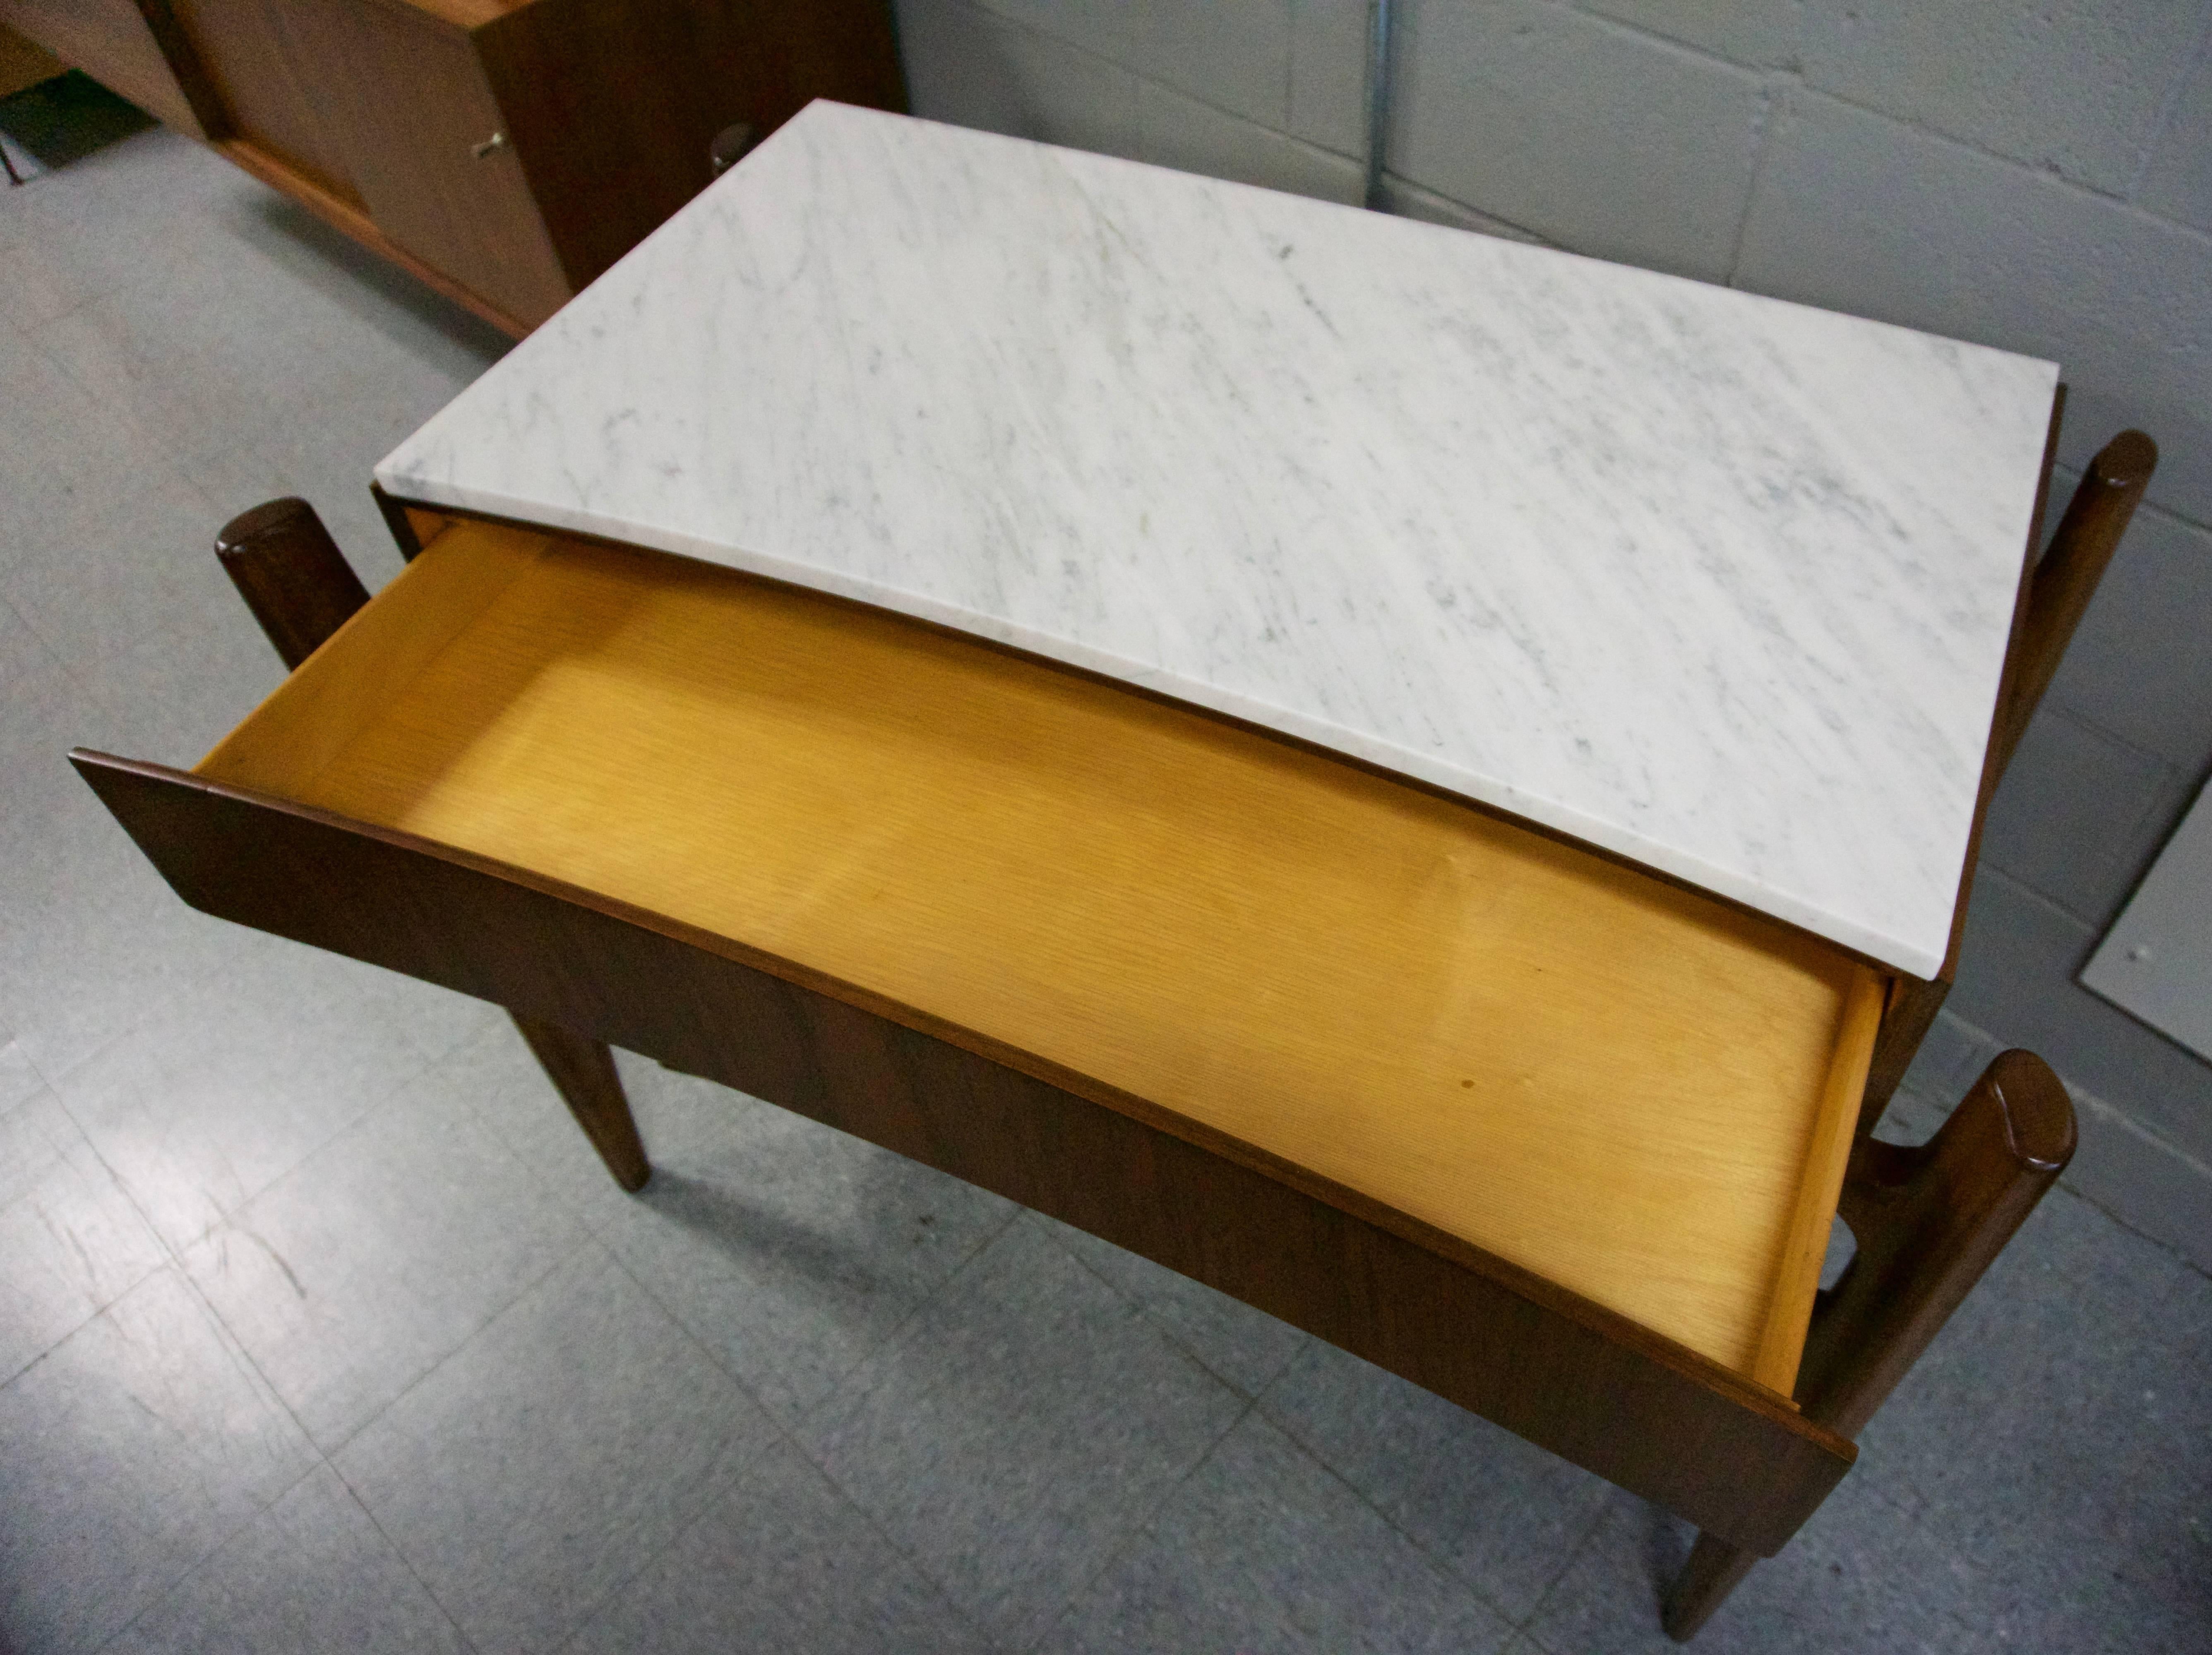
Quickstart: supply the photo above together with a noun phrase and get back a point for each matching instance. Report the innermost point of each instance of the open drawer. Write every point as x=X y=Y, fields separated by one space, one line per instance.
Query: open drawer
x=553 y=773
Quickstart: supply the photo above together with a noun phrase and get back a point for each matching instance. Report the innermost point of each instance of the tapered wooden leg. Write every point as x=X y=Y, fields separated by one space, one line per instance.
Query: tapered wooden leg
x=1715 y=1569
x=1928 y=1221
x=583 y=1072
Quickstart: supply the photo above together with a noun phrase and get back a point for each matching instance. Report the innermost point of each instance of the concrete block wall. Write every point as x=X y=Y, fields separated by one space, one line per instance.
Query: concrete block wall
x=2034 y=174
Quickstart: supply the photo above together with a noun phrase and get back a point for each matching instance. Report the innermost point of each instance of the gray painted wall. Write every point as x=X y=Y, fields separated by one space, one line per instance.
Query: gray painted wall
x=2035 y=174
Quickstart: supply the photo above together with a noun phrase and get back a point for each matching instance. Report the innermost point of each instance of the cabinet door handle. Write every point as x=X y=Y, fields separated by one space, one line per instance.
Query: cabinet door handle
x=490 y=147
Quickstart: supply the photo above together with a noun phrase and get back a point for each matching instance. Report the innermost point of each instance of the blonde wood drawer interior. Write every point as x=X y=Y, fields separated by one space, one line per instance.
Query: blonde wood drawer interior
x=1634 y=1091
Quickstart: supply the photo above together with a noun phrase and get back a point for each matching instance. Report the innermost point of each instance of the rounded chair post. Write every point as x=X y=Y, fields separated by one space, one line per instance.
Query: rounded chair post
x=291 y=575
x=2066 y=580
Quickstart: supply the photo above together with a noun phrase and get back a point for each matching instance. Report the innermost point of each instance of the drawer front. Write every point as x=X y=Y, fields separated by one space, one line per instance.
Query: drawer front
x=111 y=41
x=426 y=145
x=1563 y=1373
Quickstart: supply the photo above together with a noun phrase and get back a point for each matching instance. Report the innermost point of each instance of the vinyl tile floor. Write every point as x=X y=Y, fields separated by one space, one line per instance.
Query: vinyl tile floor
x=320 y=1327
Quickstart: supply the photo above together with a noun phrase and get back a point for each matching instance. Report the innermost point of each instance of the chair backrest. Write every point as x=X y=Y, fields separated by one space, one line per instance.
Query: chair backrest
x=2066 y=580
x=1929 y=1222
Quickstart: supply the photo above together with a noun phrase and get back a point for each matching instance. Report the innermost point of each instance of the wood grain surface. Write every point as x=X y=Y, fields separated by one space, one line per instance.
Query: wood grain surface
x=261 y=59
x=115 y=43
x=1627 y=1089
x=1659 y=1420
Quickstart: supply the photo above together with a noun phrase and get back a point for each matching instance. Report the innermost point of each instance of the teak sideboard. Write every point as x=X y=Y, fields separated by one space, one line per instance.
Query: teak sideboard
x=505 y=152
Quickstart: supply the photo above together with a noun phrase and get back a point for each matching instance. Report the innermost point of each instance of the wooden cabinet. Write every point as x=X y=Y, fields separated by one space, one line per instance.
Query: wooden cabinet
x=505 y=151
x=115 y=42
x=263 y=62
x=433 y=161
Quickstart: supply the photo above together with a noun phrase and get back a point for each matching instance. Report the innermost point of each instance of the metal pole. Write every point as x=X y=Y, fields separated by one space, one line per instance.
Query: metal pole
x=1378 y=98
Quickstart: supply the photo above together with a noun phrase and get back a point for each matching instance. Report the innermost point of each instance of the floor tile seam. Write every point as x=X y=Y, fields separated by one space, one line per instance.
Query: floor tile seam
x=1429 y=1554
x=122 y=1185
x=228 y=1337
x=498 y=1139
x=48 y=661
x=575 y=1635
x=8 y=1383
x=2129 y=1120
x=237 y=1353
x=781 y=1431
x=67 y=310
x=891 y=1543
x=1392 y=178
x=684 y=1328
x=560 y=1260
x=487 y=1131
x=346 y=1127
x=1161 y=1325
x=475 y=1329
x=230 y=1215
x=331 y=1456
x=989 y=1638
x=2181 y=1259
x=114 y=408
x=984 y=1635
x=164 y=1592
x=1928 y=1539
x=1538 y=1644
x=87 y=1320
x=896 y=1332
x=57 y=1079
x=91 y=696
x=892 y=1335
x=489 y=1031
x=1770 y=96
x=1141 y=1528
x=1615 y=1497
x=97 y=694
x=1451 y=1570
x=545 y=1183
x=2162 y=122
x=400 y=1552
x=91 y=393
x=175 y=470
x=41 y=1090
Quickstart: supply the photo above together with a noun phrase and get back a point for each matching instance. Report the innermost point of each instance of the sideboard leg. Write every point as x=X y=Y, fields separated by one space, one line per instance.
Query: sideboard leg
x=583 y=1072
x=1715 y=1569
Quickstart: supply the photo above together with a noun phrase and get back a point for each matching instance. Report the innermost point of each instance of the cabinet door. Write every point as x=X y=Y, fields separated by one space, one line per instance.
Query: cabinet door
x=267 y=60
x=423 y=140
x=111 y=41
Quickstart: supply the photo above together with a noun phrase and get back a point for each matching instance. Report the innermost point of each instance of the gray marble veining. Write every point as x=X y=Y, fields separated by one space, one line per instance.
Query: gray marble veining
x=1717 y=582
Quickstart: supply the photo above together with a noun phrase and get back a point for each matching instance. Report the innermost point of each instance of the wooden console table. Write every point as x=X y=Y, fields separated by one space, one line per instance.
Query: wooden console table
x=1425 y=784
x=505 y=152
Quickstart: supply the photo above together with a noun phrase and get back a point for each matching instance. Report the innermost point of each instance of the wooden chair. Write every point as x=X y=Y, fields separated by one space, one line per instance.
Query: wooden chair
x=580 y=969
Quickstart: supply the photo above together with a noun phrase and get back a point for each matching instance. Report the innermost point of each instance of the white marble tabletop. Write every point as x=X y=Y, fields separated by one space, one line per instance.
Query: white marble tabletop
x=1715 y=582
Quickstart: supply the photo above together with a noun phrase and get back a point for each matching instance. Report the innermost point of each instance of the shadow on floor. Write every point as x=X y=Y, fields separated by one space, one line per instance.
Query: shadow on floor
x=67 y=118
x=333 y=263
